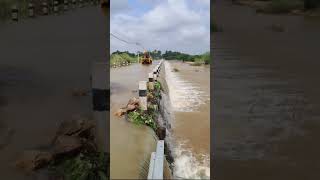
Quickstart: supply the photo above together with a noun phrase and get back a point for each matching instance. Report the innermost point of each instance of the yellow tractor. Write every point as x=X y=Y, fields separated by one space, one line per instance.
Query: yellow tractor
x=146 y=58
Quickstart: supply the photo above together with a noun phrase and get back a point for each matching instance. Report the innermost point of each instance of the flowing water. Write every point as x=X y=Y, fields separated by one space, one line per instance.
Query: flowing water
x=189 y=96
x=266 y=95
x=41 y=61
x=130 y=145
x=187 y=102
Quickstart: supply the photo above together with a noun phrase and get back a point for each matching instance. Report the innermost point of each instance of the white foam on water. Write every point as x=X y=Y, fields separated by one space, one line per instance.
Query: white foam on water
x=187 y=166
x=184 y=96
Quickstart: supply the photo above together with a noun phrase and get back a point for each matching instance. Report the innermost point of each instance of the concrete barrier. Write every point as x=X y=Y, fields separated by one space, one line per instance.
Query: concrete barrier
x=14 y=13
x=31 y=10
x=100 y=100
x=143 y=95
x=65 y=5
x=55 y=7
x=45 y=9
x=151 y=83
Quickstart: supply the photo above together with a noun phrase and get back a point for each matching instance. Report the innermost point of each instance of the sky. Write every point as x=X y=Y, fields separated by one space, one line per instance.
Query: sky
x=176 y=25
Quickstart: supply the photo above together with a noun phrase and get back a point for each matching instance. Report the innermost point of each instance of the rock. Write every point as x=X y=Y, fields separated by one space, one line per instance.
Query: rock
x=131 y=107
x=133 y=101
x=33 y=160
x=65 y=145
x=120 y=112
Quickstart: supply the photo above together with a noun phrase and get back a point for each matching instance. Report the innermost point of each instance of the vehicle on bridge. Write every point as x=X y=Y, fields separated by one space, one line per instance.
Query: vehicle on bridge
x=146 y=58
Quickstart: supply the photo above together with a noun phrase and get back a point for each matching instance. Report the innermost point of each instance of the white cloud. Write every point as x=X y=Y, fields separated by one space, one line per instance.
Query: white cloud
x=169 y=25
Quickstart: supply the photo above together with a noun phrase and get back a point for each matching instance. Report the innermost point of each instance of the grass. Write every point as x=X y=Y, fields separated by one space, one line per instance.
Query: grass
x=92 y=166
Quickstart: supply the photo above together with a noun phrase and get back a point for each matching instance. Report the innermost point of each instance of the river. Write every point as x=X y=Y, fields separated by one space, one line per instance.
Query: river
x=42 y=61
x=188 y=97
x=266 y=95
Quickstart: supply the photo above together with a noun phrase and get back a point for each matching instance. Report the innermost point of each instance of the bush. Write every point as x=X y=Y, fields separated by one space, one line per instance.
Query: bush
x=143 y=118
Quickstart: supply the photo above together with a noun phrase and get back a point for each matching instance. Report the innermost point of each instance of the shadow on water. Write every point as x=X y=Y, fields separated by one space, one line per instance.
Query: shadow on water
x=266 y=105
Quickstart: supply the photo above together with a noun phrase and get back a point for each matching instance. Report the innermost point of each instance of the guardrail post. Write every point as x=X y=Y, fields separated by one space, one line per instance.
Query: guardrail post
x=14 y=13
x=65 y=5
x=101 y=106
x=155 y=74
x=150 y=83
x=30 y=10
x=55 y=7
x=44 y=8
x=143 y=95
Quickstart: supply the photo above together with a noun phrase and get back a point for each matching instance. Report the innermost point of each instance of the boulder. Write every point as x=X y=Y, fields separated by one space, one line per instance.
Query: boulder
x=65 y=145
x=133 y=101
x=32 y=160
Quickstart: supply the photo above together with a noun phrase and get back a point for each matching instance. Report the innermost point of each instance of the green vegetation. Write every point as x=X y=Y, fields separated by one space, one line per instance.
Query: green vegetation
x=200 y=59
x=89 y=166
x=143 y=118
x=122 y=57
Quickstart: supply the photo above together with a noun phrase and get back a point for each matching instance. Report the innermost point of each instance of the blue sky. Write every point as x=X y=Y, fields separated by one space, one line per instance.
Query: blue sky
x=178 y=25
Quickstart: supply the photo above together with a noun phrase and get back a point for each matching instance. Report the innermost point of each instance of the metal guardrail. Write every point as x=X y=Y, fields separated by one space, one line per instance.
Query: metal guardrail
x=157 y=162
x=156 y=166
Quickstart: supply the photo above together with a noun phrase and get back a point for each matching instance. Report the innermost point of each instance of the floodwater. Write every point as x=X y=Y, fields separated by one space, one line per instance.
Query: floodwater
x=266 y=96
x=41 y=61
x=189 y=95
x=130 y=145
x=189 y=135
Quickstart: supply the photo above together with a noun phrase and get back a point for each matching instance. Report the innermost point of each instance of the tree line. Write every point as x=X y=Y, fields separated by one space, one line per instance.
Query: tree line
x=169 y=55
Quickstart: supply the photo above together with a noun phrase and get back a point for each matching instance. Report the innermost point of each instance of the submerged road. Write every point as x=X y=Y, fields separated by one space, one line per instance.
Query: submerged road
x=41 y=61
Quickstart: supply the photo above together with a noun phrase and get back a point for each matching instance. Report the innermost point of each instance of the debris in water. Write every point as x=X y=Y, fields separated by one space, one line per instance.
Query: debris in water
x=132 y=105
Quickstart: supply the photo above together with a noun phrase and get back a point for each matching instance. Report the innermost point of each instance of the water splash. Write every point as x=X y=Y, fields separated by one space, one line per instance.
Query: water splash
x=187 y=166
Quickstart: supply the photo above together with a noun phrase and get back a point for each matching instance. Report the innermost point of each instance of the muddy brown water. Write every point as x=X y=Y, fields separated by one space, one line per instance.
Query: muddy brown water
x=130 y=145
x=189 y=102
x=266 y=101
x=42 y=61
